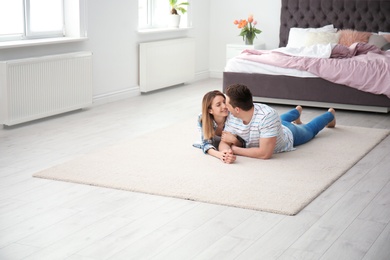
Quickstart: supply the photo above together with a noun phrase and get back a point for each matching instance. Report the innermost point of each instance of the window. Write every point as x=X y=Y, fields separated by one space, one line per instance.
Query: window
x=44 y=18
x=32 y=19
x=11 y=19
x=155 y=14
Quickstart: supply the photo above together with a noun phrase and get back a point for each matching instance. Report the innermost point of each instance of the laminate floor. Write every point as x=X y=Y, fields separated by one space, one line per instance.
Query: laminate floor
x=43 y=219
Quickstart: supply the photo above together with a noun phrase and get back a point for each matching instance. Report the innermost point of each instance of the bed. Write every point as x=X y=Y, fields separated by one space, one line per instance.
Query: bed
x=358 y=15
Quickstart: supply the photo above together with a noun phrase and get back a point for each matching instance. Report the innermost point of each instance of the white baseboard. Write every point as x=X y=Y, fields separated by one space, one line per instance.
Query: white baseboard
x=201 y=75
x=117 y=95
x=216 y=74
x=135 y=91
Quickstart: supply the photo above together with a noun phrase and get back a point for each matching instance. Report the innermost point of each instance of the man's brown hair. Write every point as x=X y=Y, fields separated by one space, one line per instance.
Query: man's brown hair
x=240 y=96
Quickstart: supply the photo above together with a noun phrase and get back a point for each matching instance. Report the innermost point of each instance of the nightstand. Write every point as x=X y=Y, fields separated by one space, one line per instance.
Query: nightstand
x=233 y=50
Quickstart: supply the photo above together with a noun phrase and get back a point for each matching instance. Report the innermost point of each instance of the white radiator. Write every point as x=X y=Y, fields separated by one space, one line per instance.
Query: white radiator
x=166 y=63
x=38 y=87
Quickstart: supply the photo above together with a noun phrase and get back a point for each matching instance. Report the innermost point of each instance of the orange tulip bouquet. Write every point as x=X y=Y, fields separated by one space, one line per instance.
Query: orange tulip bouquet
x=248 y=29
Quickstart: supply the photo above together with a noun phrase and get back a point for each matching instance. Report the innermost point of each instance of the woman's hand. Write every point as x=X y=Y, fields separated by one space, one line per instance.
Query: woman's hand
x=228 y=156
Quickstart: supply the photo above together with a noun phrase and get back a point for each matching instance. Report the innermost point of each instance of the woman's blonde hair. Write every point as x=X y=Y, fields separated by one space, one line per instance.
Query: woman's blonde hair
x=207 y=118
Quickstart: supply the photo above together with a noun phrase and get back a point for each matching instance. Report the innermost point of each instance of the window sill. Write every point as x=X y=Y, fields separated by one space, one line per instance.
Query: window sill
x=35 y=42
x=163 y=30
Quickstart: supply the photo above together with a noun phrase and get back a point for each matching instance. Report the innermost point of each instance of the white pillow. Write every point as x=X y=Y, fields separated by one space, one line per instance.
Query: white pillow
x=377 y=40
x=297 y=36
x=383 y=33
x=313 y=38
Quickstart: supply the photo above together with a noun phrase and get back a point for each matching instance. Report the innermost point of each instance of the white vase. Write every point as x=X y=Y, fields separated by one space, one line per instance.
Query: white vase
x=174 y=21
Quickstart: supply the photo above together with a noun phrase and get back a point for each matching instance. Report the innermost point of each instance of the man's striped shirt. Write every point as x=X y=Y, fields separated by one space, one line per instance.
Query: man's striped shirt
x=265 y=123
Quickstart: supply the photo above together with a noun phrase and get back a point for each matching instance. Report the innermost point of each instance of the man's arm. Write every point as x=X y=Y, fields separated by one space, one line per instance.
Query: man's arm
x=265 y=151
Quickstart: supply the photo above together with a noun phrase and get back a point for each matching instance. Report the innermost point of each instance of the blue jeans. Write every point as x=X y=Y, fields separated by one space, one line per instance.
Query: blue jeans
x=305 y=132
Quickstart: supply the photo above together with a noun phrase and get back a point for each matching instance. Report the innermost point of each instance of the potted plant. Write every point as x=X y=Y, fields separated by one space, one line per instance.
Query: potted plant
x=175 y=9
x=248 y=29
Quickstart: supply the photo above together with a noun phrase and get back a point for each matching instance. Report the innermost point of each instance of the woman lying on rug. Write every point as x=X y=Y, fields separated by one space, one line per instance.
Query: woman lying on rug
x=211 y=123
x=263 y=131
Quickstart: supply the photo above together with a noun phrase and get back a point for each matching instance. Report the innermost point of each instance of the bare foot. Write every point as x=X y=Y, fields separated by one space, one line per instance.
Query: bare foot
x=333 y=122
x=298 y=121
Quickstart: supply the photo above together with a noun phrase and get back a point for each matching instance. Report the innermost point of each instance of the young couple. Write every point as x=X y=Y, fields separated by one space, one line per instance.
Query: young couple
x=233 y=125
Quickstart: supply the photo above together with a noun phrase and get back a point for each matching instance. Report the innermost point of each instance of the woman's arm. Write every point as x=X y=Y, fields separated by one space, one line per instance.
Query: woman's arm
x=205 y=144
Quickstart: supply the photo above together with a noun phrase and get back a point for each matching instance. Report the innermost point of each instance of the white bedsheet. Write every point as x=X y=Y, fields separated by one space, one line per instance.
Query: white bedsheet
x=246 y=66
x=317 y=51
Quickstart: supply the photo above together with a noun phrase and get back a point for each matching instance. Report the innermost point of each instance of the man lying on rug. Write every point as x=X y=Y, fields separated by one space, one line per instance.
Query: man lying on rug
x=263 y=131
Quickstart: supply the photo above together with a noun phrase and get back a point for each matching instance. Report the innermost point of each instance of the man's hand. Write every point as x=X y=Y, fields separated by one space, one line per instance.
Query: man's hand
x=231 y=139
x=228 y=137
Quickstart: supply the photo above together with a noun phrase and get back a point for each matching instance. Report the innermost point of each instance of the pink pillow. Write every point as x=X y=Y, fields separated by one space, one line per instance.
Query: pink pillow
x=348 y=37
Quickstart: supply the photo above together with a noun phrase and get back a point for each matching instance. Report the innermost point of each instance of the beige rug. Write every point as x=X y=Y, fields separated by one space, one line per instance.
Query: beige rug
x=165 y=163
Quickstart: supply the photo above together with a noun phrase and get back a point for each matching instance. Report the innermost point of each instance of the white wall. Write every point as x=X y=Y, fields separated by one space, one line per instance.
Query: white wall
x=113 y=39
x=223 y=31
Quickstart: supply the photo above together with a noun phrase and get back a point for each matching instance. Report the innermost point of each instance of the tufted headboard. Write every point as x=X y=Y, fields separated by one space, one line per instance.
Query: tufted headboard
x=361 y=15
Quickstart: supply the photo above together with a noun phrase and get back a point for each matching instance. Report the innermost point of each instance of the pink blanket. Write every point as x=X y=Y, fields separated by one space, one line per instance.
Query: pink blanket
x=360 y=66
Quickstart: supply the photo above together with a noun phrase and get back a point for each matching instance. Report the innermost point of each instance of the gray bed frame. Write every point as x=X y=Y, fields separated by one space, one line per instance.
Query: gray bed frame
x=361 y=15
